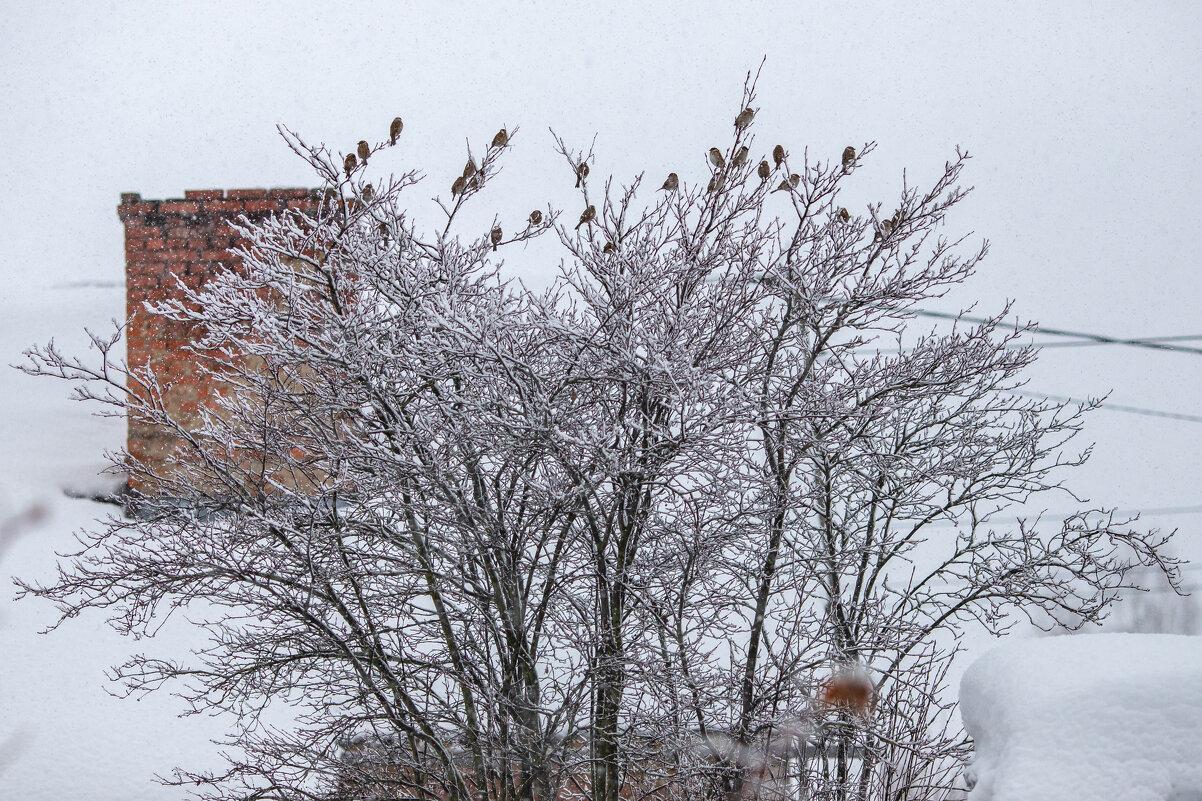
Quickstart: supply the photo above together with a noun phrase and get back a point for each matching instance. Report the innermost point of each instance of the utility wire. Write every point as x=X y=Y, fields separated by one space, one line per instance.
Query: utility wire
x=1155 y=343
x=1115 y=407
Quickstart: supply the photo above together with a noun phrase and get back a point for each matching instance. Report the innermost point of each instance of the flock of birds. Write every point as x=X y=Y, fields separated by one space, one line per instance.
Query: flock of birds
x=470 y=178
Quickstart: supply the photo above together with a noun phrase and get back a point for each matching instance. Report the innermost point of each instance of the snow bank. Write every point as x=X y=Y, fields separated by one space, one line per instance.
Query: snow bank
x=1087 y=718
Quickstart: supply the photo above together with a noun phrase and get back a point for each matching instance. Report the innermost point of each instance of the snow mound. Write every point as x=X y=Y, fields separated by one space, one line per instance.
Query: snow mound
x=1087 y=718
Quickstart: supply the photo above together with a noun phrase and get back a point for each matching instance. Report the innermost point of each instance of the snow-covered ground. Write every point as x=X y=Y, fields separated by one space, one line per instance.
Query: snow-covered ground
x=62 y=736
x=1088 y=718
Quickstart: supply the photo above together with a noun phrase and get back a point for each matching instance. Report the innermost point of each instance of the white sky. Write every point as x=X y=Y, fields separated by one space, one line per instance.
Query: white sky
x=1083 y=119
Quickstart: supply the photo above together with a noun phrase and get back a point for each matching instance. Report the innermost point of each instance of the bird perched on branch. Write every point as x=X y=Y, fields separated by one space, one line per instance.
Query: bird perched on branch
x=671 y=183
x=716 y=183
x=349 y=163
x=716 y=158
x=536 y=217
x=394 y=130
x=581 y=174
x=790 y=184
x=469 y=169
x=501 y=139
x=587 y=217
x=763 y=170
x=849 y=157
x=458 y=186
x=778 y=155
x=368 y=193
x=364 y=150
x=610 y=247
x=740 y=157
x=844 y=215
x=494 y=236
x=744 y=119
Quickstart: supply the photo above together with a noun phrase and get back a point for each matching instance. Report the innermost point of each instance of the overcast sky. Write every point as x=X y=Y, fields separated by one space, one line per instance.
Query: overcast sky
x=1083 y=120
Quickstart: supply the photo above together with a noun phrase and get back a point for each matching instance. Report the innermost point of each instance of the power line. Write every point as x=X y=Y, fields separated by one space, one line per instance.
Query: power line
x=1115 y=407
x=1090 y=343
x=1154 y=343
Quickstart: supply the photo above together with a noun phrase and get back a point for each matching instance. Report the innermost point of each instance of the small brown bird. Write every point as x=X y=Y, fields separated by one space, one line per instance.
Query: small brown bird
x=744 y=119
x=587 y=217
x=849 y=157
x=778 y=155
x=581 y=174
x=886 y=227
x=394 y=130
x=364 y=150
x=536 y=217
x=740 y=158
x=610 y=247
x=844 y=215
x=458 y=186
x=850 y=692
x=494 y=236
x=501 y=139
x=349 y=163
x=469 y=169
x=789 y=185
x=368 y=193
x=716 y=183
x=383 y=229
x=474 y=181
x=716 y=158
x=672 y=183
x=763 y=171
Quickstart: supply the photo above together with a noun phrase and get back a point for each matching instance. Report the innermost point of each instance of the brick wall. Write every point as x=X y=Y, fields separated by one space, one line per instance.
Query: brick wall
x=186 y=238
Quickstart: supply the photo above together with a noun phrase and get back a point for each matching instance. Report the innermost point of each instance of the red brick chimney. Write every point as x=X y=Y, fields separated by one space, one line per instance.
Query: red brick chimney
x=188 y=239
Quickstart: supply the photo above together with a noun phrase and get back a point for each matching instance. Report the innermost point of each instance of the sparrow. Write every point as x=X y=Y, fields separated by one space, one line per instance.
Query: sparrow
x=469 y=169
x=349 y=163
x=495 y=236
x=671 y=184
x=501 y=139
x=844 y=215
x=849 y=156
x=581 y=174
x=536 y=217
x=587 y=217
x=368 y=193
x=394 y=130
x=716 y=158
x=778 y=155
x=364 y=150
x=740 y=158
x=458 y=186
x=715 y=183
x=789 y=185
x=763 y=171
x=744 y=119
x=610 y=247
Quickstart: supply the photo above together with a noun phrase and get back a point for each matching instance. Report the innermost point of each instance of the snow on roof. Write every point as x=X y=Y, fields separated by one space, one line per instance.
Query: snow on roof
x=1089 y=718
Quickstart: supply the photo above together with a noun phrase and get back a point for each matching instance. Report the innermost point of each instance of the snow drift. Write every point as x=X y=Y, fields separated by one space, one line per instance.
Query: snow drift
x=1087 y=718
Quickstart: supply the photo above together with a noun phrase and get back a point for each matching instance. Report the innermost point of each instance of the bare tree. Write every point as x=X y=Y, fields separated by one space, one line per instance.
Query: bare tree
x=701 y=520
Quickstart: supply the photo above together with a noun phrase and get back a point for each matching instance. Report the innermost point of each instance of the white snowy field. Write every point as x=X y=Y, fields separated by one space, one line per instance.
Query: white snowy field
x=1104 y=716
x=62 y=735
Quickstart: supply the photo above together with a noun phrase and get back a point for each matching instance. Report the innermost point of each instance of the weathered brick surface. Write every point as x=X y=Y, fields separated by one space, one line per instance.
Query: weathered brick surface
x=169 y=245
